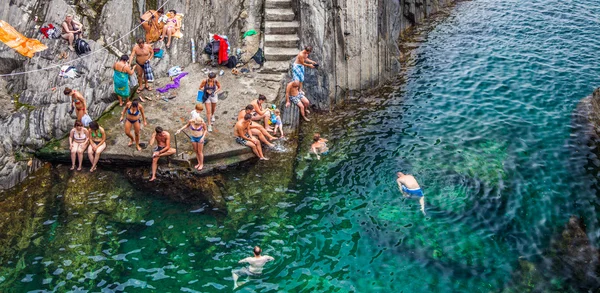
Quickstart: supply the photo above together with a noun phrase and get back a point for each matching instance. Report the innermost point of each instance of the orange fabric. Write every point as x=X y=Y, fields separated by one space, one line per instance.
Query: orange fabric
x=12 y=38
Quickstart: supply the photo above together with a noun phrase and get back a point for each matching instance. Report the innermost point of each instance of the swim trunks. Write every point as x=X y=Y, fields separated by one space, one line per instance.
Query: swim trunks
x=297 y=99
x=159 y=148
x=413 y=192
x=195 y=138
x=298 y=72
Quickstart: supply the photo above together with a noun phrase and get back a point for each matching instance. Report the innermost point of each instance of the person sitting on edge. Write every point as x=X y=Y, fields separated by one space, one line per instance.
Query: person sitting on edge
x=410 y=188
x=257 y=129
x=71 y=30
x=278 y=123
x=259 y=113
x=197 y=111
x=293 y=94
x=97 y=144
x=141 y=54
x=78 y=142
x=257 y=262
x=241 y=131
x=319 y=146
x=78 y=102
x=171 y=27
x=163 y=148
x=298 y=67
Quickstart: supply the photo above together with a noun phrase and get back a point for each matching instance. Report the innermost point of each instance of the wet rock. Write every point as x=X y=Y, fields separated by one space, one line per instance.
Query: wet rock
x=181 y=186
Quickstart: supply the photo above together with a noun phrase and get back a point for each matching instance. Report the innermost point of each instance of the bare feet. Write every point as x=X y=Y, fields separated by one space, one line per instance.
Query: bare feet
x=92 y=169
x=130 y=143
x=72 y=168
x=264 y=159
x=142 y=99
x=79 y=169
x=200 y=167
x=307 y=112
x=152 y=179
x=139 y=148
x=306 y=119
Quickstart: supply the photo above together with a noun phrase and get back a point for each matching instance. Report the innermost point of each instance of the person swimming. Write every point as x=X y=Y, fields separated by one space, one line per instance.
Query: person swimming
x=319 y=146
x=410 y=188
x=257 y=262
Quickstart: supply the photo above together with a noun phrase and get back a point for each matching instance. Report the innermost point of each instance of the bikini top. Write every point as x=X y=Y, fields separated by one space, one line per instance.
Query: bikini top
x=196 y=129
x=133 y=114
x=97 y=134
x=79 y=135
x=210 y=88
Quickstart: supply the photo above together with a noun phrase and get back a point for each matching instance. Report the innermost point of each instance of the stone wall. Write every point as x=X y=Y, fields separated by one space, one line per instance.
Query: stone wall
x=356 y=42
x=41 y=113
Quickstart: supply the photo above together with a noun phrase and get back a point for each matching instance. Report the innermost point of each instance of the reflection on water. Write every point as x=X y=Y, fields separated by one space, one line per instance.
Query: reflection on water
x=483 y=121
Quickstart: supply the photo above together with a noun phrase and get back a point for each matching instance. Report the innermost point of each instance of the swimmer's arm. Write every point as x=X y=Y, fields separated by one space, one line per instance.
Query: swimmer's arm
x=399 y=184
x=314 y=150
x=269 y=258
x=243 y=260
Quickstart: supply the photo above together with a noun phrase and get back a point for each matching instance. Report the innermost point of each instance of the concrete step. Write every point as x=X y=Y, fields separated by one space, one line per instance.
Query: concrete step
x=279 y=14
x=275 y=67
x=278 y=4
x=276 y=77
x=280 y=54
x=282 y=41
x=281 y=27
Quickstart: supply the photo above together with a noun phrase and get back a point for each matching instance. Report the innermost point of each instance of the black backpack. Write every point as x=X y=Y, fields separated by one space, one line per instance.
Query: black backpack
x=81 y=47
x=259 y=57
x=232 y=62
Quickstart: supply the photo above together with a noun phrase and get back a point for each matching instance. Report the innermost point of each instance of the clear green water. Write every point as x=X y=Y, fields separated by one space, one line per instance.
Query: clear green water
x=483 y=121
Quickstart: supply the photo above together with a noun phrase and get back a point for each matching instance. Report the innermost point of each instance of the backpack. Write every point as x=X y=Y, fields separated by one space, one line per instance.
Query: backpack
x=259 y=57
x=81 y=47
x=232 y=62
x=214 y=53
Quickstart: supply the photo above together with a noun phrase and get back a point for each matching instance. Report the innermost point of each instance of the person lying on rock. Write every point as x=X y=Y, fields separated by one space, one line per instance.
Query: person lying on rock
x=410 y=188
x=301 y=61
x=141 y=54
x=293 y=94
x=171 y=27
x=163 y=148
x=259 y=114
x=71 y=30
x=242 y=131
x=78 y=102
x=255 y=128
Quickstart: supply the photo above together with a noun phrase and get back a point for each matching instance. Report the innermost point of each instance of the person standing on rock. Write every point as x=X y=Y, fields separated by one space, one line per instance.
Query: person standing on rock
x=71 y=30
x=301 y=61
x=97 y=144
x=293 y=94
x=257 y=262
x=211 y=87
x=257 y=129
x=259 y=113
x=142 y=53
x=77 y=102
x=242 y=132
x=198 y=131
x=410 y=188
x=78 y=141
x=121 y=73
x=163 y=148
x=134 y=110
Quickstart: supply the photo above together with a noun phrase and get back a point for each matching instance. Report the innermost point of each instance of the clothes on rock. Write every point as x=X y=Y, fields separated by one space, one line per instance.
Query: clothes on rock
x=121 y=82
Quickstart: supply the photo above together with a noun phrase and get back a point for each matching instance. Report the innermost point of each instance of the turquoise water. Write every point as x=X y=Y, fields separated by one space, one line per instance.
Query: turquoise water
x=483 y=120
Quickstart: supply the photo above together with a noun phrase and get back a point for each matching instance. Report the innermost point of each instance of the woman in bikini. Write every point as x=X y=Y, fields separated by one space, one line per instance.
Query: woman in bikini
x=121 y=74
x=97 y=144
x=171 y=27
x=77 y=102
x=78 y=141
x=133 y=110
x=197 y=134
x=210 y=87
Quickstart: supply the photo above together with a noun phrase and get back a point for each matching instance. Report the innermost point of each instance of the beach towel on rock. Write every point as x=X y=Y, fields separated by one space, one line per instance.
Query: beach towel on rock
x=173 y=85
x=223 y=47
x=14 y=39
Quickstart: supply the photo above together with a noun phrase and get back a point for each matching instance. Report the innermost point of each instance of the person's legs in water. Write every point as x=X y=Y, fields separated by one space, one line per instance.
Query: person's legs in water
x=261 y=137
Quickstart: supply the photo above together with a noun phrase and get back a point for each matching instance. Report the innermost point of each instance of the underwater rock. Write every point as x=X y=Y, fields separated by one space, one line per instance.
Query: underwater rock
x=181 y=186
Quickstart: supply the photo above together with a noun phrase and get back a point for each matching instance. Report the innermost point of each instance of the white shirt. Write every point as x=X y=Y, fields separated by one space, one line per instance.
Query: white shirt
x=194 y=114
x=257 y=263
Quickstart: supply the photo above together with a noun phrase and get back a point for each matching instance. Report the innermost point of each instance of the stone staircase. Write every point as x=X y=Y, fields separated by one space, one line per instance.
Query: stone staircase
x=281 y=38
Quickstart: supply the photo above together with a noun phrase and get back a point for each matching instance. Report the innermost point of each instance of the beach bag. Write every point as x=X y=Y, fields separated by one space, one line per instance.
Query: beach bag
x=232 y=62
x=133 y=81
x=200 y=97
x=81 y=47
x=86 y=120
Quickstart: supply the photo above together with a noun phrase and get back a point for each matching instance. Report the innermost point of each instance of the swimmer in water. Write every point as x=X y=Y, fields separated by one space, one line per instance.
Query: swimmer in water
x=410 y=188
x=319 y=146
x=257 y=262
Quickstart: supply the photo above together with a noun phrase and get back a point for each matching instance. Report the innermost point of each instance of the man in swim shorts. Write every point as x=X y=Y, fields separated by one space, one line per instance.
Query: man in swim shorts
x=295 y=96
x=410 y=188
x=243 y=136
x=163 y=148
x=141 y=55
x=298 y=67
x=257 y=262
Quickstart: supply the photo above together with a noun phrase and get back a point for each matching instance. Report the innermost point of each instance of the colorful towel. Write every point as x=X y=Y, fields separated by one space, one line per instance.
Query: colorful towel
x=14 y=39
x=121 y=81
x=223 y=47
x=178 y=34
x=298 y=72
x=173 y=85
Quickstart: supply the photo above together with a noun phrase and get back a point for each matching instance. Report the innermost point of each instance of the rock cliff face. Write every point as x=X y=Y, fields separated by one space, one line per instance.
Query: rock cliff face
x=356 y=42
x=33 y=113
